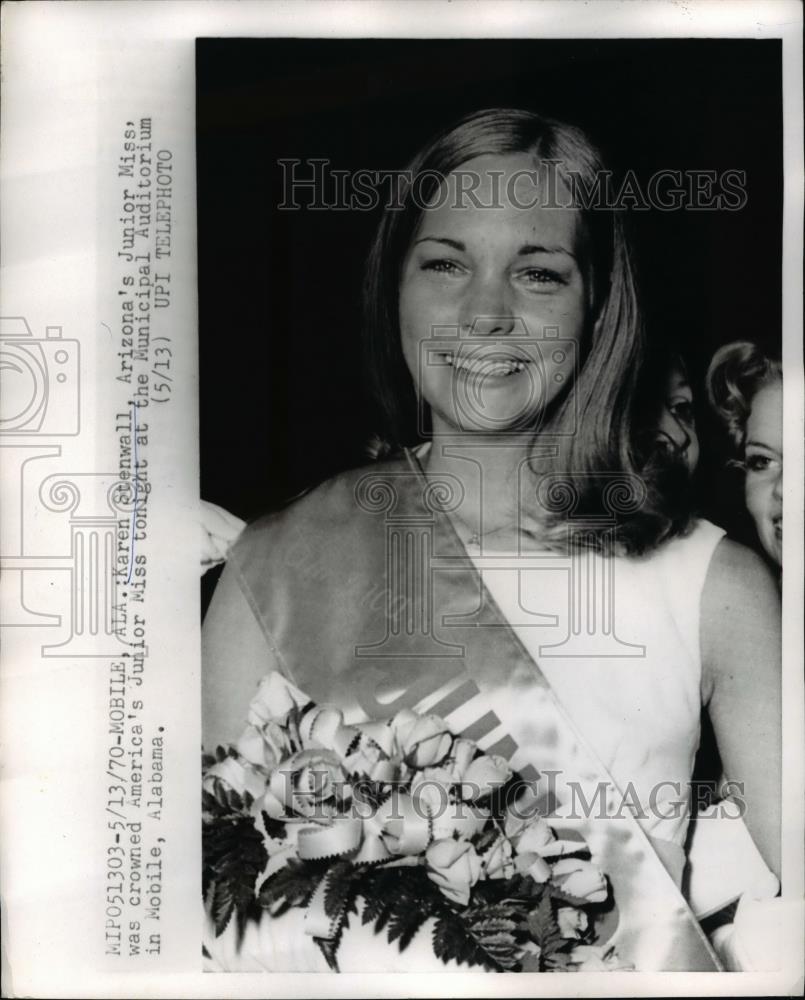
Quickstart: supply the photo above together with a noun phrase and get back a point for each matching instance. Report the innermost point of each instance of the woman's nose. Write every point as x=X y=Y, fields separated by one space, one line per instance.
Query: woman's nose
x=487 y=311
x=777 y=488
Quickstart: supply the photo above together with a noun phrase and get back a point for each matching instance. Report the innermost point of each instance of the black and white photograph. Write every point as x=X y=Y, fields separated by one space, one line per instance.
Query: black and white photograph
x=514 y=350
x=399 y=502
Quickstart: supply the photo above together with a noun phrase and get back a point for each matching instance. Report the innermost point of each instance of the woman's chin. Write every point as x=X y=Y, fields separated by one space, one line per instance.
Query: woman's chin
x=772 y=541
x=494 y=426
x=498 y=416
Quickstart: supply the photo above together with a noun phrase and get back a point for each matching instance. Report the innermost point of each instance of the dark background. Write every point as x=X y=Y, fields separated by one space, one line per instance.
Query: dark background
x=282 y=398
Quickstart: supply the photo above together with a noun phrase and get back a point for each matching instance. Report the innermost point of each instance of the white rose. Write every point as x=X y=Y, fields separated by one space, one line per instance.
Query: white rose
x=310 y=782
x=277 y=738
x=533 y=865
x=401 y=824
x=268 y=802
x=455 y=867
x=526 y=809
x=459 y=819
x=369 y=760
x=458 y=760
x=572 y=922
x=401 y=724
x=580 y=879
x=483 y=775
x=253 y=748
x=380 y=733
x=319 y=726
x=430 y=791
x=423 y=742
x=533 y=836
x=275 y=698
x=498 y=859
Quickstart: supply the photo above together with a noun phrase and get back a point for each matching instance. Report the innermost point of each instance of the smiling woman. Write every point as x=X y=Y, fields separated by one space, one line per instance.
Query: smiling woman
x=746 y=390
x=527 y=262
x=490 y=281
x=504 y=344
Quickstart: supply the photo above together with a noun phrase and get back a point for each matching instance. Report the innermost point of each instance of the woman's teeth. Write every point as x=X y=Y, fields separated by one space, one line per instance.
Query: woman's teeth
x=486 y=366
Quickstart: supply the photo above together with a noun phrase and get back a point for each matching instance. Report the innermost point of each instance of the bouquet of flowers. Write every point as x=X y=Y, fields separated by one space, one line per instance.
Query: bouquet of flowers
x=397 y=822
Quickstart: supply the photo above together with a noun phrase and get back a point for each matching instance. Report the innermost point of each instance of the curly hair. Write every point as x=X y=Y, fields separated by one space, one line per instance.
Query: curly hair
x=735 y=375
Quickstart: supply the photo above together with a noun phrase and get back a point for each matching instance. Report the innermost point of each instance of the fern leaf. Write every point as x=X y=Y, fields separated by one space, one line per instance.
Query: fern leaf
x=338 y=888
x=406 y=920
x=328 y=948
x=222 y=906
x=376 y=908
x=234 y=856
x=452 y=941
x=295 y=883
x=544 y=929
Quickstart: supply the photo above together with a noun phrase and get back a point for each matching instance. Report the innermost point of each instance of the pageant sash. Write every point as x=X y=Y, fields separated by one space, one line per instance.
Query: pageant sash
x=368 y=601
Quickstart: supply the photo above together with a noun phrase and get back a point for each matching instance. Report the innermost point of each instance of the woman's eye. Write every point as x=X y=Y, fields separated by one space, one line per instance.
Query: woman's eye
x=442 y=266
x=541 y=276
x=760 y=463
x=682 y=410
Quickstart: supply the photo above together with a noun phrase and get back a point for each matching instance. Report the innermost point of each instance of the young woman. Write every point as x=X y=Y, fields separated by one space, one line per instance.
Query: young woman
x=509 y=560
x=745 y=389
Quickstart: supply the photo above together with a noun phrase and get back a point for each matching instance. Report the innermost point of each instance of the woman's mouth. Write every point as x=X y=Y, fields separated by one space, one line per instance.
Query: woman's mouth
x=777 y=524
x=486 y=365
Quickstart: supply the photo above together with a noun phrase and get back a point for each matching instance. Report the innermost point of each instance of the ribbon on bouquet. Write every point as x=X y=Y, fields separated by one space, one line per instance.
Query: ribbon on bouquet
x=372 y=750
x=396 y=827
x=397 y=830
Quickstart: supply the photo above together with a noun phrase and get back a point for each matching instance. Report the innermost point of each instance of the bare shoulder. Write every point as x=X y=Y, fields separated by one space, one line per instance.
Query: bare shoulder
x=740 y=613
x=737 y=575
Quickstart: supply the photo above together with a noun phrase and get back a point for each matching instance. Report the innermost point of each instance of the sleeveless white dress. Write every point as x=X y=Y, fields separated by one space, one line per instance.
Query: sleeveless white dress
x=617 y=638
x=638 y=702
x=640 y=712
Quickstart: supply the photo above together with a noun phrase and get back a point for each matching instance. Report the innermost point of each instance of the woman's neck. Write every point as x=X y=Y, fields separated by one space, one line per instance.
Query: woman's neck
x=490 y=476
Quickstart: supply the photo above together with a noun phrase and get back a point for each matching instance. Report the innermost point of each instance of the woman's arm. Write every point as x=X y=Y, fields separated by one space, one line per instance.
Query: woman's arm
x=741 y=684
x=234 y=657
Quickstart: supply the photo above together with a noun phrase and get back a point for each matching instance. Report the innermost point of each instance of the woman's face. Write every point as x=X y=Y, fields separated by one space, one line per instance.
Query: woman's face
x=677 y=426
x=493 y=300
x=763 y=458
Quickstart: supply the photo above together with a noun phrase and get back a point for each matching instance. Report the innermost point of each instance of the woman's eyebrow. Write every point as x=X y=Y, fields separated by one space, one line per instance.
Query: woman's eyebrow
x=761 y=444
x=455 y=244
x=528 y=248
x=524 y=251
